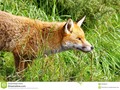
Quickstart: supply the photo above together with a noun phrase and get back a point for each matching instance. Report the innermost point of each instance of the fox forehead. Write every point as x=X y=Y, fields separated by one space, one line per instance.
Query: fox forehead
x=77 y=31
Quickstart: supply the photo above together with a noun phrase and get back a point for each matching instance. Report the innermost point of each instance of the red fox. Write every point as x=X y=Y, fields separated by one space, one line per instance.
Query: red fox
x=25 y=37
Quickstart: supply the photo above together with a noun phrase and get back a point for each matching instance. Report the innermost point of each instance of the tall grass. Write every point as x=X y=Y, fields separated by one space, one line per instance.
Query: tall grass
x=102 y=29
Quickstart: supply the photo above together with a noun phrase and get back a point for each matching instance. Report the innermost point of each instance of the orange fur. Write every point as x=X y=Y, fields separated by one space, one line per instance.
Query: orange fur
x=25 y=37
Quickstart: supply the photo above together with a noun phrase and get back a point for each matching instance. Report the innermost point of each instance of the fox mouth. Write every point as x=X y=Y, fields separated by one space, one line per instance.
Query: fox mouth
x=83 y=50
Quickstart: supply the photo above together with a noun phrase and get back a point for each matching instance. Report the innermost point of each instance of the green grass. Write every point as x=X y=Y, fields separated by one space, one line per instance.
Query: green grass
x=102 y=29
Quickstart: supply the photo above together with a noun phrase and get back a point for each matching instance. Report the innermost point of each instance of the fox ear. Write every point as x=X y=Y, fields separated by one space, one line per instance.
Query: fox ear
x=79 y=23
x=68 y=26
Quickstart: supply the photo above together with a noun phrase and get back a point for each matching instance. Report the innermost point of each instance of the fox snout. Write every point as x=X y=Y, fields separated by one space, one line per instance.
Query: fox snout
x=86 y=48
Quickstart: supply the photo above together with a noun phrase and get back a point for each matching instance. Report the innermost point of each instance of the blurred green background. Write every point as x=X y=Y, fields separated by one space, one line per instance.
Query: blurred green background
x=102 y=29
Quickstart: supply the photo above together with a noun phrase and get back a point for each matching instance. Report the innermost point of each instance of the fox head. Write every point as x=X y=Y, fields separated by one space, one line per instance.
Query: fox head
x=74 y=37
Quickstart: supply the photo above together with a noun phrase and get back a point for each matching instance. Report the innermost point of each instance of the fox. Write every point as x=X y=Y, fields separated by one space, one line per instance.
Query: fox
x=26 y=37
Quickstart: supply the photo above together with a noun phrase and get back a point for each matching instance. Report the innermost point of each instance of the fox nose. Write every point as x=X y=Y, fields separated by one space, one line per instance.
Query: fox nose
x=92 y=47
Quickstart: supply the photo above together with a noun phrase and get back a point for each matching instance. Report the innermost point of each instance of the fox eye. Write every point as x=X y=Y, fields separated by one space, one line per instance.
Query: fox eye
x=78 y=38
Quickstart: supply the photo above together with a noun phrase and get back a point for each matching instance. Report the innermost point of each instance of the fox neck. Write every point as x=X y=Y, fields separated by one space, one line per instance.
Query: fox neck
x=52 y=35
x=53 y=51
